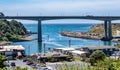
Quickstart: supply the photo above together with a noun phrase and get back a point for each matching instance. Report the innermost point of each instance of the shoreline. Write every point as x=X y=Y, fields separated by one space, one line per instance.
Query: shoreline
x=27 y=38
x=95 y=33
x=84 y=35
x=5 y=43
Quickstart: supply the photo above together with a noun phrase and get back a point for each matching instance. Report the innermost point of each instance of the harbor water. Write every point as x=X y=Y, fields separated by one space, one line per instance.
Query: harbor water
x=52 y=39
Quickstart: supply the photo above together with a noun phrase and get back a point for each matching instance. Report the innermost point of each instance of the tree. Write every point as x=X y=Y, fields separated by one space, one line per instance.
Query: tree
x=1 y=14
x=97 y=55
x=2 y=59
x=114 y=65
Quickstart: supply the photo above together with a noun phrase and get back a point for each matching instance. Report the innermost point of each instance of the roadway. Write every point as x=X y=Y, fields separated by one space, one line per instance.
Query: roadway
x=101 y=18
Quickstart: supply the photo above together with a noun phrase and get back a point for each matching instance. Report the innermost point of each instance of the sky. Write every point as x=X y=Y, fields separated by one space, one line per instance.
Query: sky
x=60 y=8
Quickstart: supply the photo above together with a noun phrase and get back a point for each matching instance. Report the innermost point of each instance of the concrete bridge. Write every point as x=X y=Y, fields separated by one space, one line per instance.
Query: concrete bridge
x=107 y=22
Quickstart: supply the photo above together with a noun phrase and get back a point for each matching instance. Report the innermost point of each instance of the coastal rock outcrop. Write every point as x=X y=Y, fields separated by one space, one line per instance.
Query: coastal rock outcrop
x=96 y=32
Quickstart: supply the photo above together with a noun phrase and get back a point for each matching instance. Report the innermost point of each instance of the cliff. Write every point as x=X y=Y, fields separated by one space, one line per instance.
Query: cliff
x=12 y=30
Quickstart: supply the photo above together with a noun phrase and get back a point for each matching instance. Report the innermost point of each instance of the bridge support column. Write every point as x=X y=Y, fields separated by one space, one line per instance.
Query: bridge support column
x=107 y=30
x=39 y=31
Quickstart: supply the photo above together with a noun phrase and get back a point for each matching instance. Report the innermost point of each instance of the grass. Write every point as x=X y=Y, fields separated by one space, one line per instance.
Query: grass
x=73 y=67
x=118 y=45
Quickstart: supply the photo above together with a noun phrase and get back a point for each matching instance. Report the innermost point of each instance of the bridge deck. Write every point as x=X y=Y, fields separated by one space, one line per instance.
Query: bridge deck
x=61 y=17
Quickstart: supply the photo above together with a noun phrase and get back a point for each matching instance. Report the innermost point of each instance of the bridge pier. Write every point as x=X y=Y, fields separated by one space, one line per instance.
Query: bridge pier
x=39 y=31
x=107 y=30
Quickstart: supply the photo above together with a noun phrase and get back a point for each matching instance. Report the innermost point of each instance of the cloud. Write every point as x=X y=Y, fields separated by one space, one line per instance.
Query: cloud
x=72 y=7
x=62 y=7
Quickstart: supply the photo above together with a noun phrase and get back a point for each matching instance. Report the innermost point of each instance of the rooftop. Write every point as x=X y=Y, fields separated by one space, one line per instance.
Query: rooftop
x=45 y=55
x=78 y=52
x=65 y=49
x=100 y=47
x=11 y=47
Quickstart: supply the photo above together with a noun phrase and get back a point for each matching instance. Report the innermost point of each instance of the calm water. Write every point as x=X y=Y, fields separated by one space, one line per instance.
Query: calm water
x=56 y=40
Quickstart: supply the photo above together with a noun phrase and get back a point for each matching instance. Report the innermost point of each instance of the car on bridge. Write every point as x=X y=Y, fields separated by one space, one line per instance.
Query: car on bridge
x=89 y=16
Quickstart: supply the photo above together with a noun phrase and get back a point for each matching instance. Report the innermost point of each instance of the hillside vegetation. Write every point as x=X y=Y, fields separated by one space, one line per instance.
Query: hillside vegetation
x=99 y=29
x=11 y=30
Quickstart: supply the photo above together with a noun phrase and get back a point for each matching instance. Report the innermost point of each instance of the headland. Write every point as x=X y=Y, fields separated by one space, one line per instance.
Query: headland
x=13 y=31
x=95 y=32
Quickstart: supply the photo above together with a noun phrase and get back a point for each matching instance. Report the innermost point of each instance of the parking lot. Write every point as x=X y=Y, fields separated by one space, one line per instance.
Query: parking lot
x=22 y=64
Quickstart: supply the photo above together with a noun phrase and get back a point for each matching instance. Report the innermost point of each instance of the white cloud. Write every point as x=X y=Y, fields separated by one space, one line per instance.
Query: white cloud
x=61 y=7
x=65 y=7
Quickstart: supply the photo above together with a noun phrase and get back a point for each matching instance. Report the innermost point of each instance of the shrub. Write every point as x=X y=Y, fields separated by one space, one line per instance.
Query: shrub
x=2 y=59
x=49 y=58
x=97 y=56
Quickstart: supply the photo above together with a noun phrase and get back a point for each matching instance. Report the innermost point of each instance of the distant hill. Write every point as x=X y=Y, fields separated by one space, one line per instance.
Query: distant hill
x=99 y=29
x=11 y=30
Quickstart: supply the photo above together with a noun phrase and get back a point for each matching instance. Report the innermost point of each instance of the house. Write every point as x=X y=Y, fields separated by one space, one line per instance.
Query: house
x=12 y=51
x=108 y=50
x=63 y=50
x=117 y=33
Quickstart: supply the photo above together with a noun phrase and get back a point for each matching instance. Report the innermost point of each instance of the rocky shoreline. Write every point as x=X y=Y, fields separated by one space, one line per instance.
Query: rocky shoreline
x=5 y=43
x=96 y=32
x=20 y=40
x=83 y=35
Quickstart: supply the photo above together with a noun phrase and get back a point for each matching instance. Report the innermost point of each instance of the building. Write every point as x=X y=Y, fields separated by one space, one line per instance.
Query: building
x=117 y=33
x=12 y=51
x=63 y=50
x=108 y=50
x=73 y=51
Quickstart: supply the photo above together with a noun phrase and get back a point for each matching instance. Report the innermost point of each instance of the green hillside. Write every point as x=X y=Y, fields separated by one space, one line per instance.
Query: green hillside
x=11 y=30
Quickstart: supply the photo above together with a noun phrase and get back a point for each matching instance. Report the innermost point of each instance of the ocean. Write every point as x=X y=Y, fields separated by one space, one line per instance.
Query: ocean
x=52 y=39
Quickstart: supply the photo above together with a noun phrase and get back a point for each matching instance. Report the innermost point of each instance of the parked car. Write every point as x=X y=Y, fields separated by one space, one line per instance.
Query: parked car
x=13 y=64
x=34 y=65
x=49 y=68
x=29 y=63
x=7 y=65
x=45 y=68
x=24 y=60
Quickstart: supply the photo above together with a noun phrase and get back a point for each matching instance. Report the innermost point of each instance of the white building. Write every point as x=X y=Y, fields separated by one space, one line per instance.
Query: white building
x=117 y=33
x=12 y=51
x=64 y=50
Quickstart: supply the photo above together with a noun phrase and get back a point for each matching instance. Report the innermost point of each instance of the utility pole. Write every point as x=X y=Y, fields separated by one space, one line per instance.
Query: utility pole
x=69 y=43
x=28 y=50
x=17 y=13
x=99 y=40
x=48 y=37
x=44 y=48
